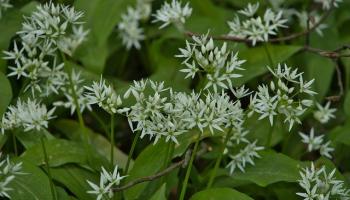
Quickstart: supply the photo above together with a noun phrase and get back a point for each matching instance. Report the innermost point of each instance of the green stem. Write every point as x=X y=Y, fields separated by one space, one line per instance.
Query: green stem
x=268 y=55
x=134 y=142
x=112 y=140
x=269 y=137
x=100 y=121
x=218 y=160
x=52 y=187
x=188 y=171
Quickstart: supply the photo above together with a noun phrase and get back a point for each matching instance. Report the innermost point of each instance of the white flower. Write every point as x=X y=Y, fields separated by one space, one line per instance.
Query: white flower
x=324 y=114
x=107 y=181
x=256 y=28
x=250 y=10
x=8 y=172
x=318 y=184
x=246 y=155
x=283 y=96
x=316 y=143
x=240 y=92
x=129 y=29
x=104 y=95
x=326 y=4
x=28 y=115
x=173 y=13
x=219 y=65
x=4 y=5
x=66 y=90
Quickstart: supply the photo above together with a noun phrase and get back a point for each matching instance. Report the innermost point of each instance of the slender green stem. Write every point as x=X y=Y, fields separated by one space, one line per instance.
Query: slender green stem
x=100 y=121
x=268 y=54
x=218 y=160
x=188 y=171
x=14 y=142
x=134 y=142
x=269 y=138
x=112 y=140
x=52 y=187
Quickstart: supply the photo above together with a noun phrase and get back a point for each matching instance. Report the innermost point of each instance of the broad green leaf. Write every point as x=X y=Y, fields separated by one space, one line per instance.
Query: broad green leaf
x=160 y=194
x=59 y=152
x=147 y=163
x=257 y=60
x=72 y=130
x=75 y=178
x=34 y=185
x=220 y=194
x=5 y=93
x=272 y=167
x=341 y=134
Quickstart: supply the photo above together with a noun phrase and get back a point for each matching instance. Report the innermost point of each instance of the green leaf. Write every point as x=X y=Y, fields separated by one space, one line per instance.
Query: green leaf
x=341 y=134
x=347 y=104
x=59 y=152
x=5 y=93
x=160 y=194
x=34 y=185
x=220 y=194
x=272 y=167
x=74 y=178
x=147 y=163
x=257 y=60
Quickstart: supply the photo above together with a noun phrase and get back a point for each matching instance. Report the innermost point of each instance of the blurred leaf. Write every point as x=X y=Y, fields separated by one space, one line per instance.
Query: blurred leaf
x=75 y=178
x=257 y=60
x=220 y=194
x=272 y=167
x=33 y=185
x=5 y=93
x=341 y=134
x=160 y=194
x=147 y=163
x=347 y=104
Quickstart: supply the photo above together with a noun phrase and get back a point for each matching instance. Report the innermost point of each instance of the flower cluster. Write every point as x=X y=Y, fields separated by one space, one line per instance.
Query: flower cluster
x=28 y=114
x=107 y=181
x=324 y=114
x=50 y=28
x=316 y=143
x=8 y=172
x=283 y=96
x=104 y=96
x=4 y=5
x=75 y=83
x=165 y=113
x=245 y=156
x=218 y=64
x=318 y=184
x=327 y=4
x=303 y=20
x=256 y=28
x=173 y=13
x=129 y=29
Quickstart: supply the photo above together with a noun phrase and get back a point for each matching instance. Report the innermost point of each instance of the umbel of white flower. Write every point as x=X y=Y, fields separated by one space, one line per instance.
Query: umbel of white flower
x=50 y=28
x=319 y=184
x=4 y=5
x=104 y=96
x=256 y=28
x=316 y=143
x=66 y=90
x=107 y=181
x=219 y=65
x=326 y=4
x=28 y=115
x=287 y=96
x=173 y=13
x=8 y=172
x=129 y=29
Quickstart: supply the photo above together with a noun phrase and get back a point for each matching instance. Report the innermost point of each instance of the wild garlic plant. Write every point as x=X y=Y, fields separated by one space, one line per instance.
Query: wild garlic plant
x=324 y=113
x=108 y=180
x=218 y=64
x=8 y=172
x=49 y=30
x=319 y=184
x=4 y=5
x=288 y=96
x=316 y=143
x=256 y=28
